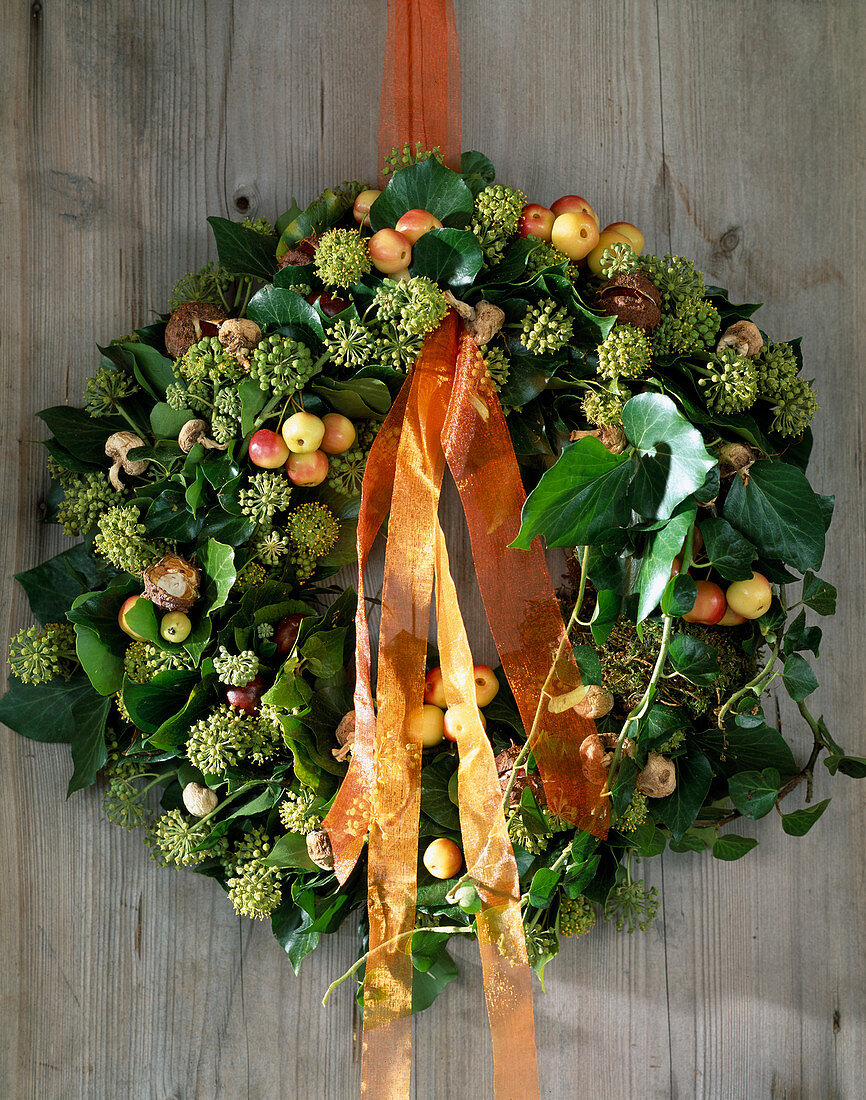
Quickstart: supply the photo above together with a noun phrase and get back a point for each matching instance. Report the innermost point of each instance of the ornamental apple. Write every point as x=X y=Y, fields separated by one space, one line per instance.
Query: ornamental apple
x=390 y=251
x=428 y=722
x=575 y=233
x=442 y=858
x=307 y=468
x=327 y=303
x=458 y=719
x=536 y=221
x=339 y=434
x=731 y=618
x=573 y=203
x=631 y=233
x=415 y=223
x=486 y=684
x=247 y=698
x=267 y=449
x=361 y=209
x=286 y=633
x=751 y=598
x=434 y=688
x=709 y=605
x=605 y=240
x=303 y=433
x=175 y=627
x=121 y=618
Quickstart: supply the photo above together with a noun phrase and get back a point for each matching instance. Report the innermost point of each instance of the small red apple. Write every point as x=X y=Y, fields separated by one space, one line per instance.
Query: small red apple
x=709 y=606
x=631 y=233
x=415 y=223
x=486 y=684
x=573 y=204
x=303 y=432
x=247 y=698
x=575 y=233
x=458 y=718
x=731 y=618
x=307 y=468
x=390 y=251
x=339 y=434
x=361 y=209
x=536 y=221
x=121 y=618
x=434 y=688
x=268 y=449
x=428 y=722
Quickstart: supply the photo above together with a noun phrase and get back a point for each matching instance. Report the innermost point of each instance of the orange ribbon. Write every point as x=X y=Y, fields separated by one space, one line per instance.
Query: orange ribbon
x=448 y=410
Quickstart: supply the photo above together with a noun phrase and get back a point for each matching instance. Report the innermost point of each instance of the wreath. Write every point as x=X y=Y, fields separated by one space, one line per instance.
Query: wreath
x=195 y=649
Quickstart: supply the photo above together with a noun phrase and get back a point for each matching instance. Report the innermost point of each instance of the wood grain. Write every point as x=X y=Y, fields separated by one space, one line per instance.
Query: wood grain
x=732 y=132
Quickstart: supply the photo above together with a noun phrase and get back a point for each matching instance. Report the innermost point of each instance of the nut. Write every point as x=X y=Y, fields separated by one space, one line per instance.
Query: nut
x=505 y=766
x=172 y=583
x=659 y=778
x=199 y=800
x=743 y=336
x=633 y=300
x=239 y=336
x=345 y=734
x=596 y=703
x=195 y=431
x=610 y=436
x=483 y=321
x=190 y=323
x=117 y=447
x=319 y=849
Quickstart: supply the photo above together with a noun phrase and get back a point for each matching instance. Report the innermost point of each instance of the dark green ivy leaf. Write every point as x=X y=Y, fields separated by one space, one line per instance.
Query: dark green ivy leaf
x=800 y=822
x=728 y=552
x=694 y=777
x=679 y=595
x=819 y=595
x=243 y=251
x=799 y=679
x=731 y=846
x=274 y=308
x=429 y=186
x=754 y=793
x=694 y=659
x=655 y=567
x=448 y=256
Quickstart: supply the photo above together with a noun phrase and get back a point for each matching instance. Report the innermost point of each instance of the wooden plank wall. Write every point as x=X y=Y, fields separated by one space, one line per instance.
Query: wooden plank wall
x=732 y=132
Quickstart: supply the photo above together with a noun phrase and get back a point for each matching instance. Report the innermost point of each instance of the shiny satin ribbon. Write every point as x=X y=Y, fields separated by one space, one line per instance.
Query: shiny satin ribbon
x=448 y=409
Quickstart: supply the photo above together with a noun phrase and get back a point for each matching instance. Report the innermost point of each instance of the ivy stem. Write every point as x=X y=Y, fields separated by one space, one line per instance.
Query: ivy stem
x=444 y=930
x=756 y=685
x=230 y=798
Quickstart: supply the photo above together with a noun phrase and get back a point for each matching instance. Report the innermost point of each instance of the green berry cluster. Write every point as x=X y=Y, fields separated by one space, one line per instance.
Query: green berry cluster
x=794 y=409
x=693 y=326
x=37 y=656
x=206 y=285
x=531 y=842
x=546 y=327
x=498 y=365
x=259 y=225
x=254 y=889
x=208 y=361
x=122 y=801
x=618 y=259
x=625 y=353
x=236 y=669
x=282 y=365
x=121 y=540
x=295 y=812
x=402 y=157
x=342 y=258
x=675 y=277
x=576 y=916
x=416 y=306
x=106 y=389
x=227 y=736
x=604 y=407
x=86 y=497
x=269 y=547
x=313 y=529
x=396 y=348
x=173 y=838
x=264 y=495
x=349 y=343
x=545 y=256
x=251 y=576
x=497 y=214
x=632 y=906
x=142 y=661
x=730 y=382
x=635 y=813
x=256 y=843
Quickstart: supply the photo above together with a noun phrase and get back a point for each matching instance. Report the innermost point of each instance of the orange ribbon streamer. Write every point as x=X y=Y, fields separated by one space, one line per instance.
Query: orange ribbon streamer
x=421 y=80
x=448 y=409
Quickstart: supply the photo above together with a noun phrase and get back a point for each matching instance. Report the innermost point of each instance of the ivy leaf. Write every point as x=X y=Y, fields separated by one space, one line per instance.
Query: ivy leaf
x=429 y=186
x=747 y=744
x=152 y=370
x=290 y=851
x=819 y=595
x=53 y=586
x=799 y=679
x=727 y=550
x=679 y=595
x=779 y=511
x=150 y=705
x=604 y=614
x=660 y=724
x=588 y=662
x=671 y=461
x=322 y=214
x=80 y=434
x=543 y=887
x=800 y=822
x=580 y=500
x=694 y=659
x=166 y=422
x=657 y=562
x=44 y=712
x=218 y=566
x=451 y=256
x=731 y=846
x=754 y=793
x=242 y=250
x=323 y=652
x=273 y=308
x=434 y=792
x=358 y=397
x=476 y=171
x=853 y=766
x=694 y=777
x=798 y=636
x=89 y=754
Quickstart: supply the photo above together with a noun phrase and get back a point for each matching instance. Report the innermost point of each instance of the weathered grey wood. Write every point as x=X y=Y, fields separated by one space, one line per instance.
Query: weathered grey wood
x=732 y=132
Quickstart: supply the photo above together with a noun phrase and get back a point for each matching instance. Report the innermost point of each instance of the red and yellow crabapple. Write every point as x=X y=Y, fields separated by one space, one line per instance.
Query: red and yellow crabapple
x=267 y=449
x=442 y=858
x=575 y=233
x=415 y=223
x=390 y=251
x=750 y=598
x=536 y=221
x=339 y=434
x=303 y=432
x=307 y=468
